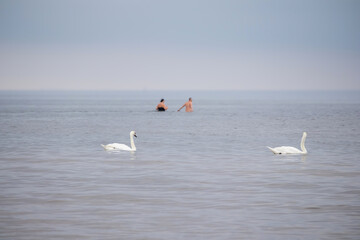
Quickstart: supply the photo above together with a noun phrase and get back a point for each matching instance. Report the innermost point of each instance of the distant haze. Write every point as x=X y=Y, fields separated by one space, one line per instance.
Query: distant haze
x=179 y=45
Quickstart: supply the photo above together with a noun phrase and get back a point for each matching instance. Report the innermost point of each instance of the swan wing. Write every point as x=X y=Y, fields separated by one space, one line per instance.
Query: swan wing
x=117 y=146
x=285 y=150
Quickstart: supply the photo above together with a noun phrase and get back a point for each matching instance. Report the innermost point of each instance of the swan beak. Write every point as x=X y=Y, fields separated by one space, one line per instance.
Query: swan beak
x=135 y=135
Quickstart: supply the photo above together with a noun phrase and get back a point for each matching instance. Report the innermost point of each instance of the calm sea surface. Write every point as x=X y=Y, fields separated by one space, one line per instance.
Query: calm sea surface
x=201 y=175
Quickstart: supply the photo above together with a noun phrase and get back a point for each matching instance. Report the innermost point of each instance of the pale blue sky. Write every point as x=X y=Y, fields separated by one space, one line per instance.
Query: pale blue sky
x=180 y=45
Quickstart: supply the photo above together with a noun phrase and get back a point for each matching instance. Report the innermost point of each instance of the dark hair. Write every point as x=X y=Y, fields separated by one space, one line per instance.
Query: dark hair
x=162 y=100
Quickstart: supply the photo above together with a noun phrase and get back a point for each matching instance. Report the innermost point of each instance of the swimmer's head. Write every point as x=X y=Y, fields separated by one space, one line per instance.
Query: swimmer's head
x=162 y=100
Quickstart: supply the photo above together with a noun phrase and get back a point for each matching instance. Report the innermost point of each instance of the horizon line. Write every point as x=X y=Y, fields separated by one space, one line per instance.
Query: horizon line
x=179 y=90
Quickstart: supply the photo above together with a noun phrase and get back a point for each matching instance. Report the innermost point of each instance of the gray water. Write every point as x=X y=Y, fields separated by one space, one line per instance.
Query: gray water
x=200 y=175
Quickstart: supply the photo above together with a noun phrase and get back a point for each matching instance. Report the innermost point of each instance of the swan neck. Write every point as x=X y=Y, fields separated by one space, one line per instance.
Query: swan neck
x=302 y=145
x=132 y=144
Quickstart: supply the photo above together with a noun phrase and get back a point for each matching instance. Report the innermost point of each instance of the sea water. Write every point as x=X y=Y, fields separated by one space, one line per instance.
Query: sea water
x=200 y=175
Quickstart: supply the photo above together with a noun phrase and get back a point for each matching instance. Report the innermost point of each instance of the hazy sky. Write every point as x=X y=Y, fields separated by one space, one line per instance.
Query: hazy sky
x=180 y=45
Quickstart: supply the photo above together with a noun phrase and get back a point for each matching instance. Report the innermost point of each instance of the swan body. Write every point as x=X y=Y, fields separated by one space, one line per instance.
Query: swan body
x=291 y=150
x=123 y=147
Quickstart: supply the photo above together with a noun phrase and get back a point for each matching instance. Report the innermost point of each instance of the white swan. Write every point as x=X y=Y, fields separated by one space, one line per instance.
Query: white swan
x=291 y=150
x=119 y=146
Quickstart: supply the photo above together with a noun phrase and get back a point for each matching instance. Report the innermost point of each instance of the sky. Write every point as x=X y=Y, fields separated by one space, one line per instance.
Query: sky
x=179 y=45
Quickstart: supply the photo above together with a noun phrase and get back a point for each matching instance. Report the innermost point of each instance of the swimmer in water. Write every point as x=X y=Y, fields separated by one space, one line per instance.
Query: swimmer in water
x=161 y=107
x=188 y=106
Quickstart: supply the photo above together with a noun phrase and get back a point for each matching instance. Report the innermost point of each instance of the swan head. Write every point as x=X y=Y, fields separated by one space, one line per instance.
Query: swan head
x=304 y=136
x=133 y=133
